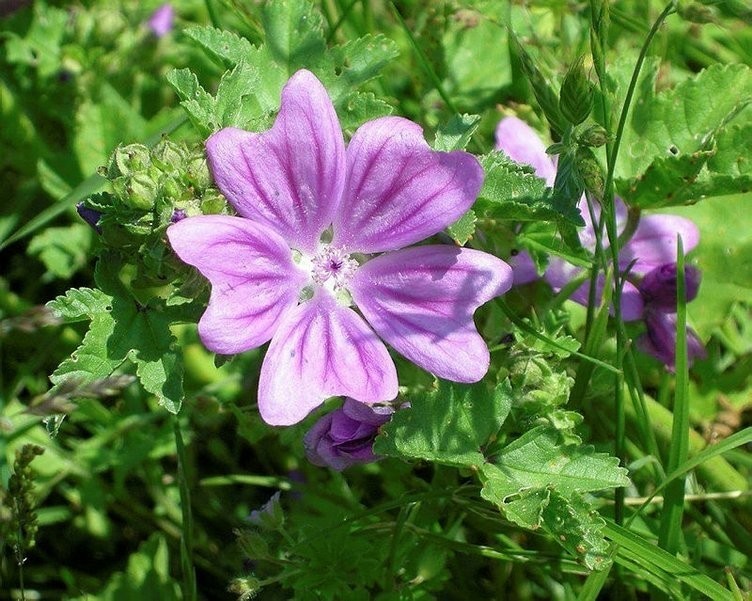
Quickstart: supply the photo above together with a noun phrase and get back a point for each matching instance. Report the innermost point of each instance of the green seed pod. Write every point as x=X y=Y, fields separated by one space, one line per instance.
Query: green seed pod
x=590 y=171
x=213 y=203
x=594 y=136
x=168 y=156
x=127 y=160
x=197 y=172
x=137 y=192
x=576 y=97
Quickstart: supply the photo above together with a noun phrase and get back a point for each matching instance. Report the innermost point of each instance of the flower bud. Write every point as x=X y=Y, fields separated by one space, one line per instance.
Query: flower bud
x=594 y=136
x=659 y=286
x=660 y=339
x=345 y=436
x=137 y=191
x=90 y=216
x=576 y=97
x=127 y=160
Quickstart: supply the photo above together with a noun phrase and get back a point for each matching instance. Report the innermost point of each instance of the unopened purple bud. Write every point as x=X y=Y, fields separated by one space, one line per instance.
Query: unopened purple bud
x=658 y=287
x=161 y=20
x=178 y=215
x=345 y=436
x=270 y=516
x=660 y=339
x=90 y=216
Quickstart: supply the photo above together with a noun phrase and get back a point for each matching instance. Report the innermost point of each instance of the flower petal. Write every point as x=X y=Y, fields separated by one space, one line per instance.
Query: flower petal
x=654 y=242
x=322 y=349
x=523 y=268
x=522 y=144
x=560 y=273
x=421 y=301
x=254 y=279
x=291 y=177
x=399 y=191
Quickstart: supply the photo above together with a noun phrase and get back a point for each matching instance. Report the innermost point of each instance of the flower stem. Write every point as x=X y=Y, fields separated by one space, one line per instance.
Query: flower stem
x=186 y=539
x=609 y=207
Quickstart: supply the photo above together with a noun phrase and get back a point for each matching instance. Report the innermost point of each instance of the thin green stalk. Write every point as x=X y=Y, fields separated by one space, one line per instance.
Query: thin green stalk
x=334 y=28
x=186 y=539
x=212 y=14
x=423 y=60
x=670 y=533
x=609 y=207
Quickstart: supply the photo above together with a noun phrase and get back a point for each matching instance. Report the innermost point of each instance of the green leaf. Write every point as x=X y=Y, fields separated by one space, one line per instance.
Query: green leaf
x=537 y=460
x=688 y=142
x=464 y=228
x=122 y=328
x=294 y=33
x=199 y=105
x=63 y=250
x=513 y=192
x=449 y=425
x=80 y=304
x=477 y=58
x=235 y=104
x=147 y=576
x=723 y=258
x=578 y=528
x=359 y=61
x=225 y=46
x=456 y=134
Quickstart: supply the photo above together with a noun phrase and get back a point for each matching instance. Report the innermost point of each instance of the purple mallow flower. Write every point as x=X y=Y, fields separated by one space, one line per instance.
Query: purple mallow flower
x=321 y=231
x=647 y=257
x=162 y=20
x=345 y=436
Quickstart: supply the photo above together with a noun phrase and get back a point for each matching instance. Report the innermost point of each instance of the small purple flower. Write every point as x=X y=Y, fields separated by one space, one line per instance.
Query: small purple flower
x=90 y=216
x=660 y=339
x=658 y=287
x=345 y=436
x=322 y=230
x=162 y=20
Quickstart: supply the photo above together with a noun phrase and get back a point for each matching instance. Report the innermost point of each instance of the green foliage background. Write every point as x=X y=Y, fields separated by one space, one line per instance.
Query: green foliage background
x=154 y=454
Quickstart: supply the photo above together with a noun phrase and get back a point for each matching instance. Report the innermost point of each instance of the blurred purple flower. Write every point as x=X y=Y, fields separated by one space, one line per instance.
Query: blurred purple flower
x=345 y=436
x=90 y=216
x=322 y=228
x=162 y=20
x=659 y=287
x=659 y=339
x=646 y=257
x=270 y=516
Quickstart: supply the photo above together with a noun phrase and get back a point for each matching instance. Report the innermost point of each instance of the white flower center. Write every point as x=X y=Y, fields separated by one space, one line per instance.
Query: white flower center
x=331 y=268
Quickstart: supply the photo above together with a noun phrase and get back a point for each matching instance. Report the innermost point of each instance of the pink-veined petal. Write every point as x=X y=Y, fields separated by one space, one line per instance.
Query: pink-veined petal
x=654 y=242
x=522 y=144
x=322 y=349
x=254 y=279
x=421 y=300
x=291 y=177
x=398 y=190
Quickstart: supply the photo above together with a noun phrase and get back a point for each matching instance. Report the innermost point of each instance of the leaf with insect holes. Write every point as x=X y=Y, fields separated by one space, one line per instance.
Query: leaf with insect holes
x=689 y=142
